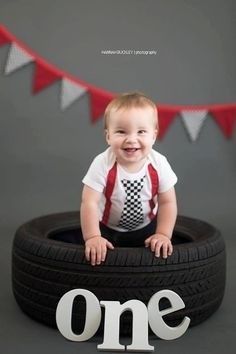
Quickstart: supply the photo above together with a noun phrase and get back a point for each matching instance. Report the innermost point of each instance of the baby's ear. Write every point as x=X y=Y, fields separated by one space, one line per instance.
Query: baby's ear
x=107 y=136
x=155 y=135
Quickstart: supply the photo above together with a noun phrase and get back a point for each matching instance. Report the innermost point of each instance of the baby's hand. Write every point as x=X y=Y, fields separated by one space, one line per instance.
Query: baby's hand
x=96 y=249
x=158 y=242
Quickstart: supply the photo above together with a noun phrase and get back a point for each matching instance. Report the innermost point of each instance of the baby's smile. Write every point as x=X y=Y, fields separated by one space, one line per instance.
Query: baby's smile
x=131 y=150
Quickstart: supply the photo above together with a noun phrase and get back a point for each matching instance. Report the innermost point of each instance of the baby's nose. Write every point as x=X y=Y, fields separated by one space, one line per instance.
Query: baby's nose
x=131 y=137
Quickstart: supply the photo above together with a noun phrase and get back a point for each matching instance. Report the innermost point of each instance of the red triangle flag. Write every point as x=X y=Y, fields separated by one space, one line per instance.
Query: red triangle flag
x=165 y=118
x=4 y=37
x=225 y=118
x=98 y=101
x=44 y=76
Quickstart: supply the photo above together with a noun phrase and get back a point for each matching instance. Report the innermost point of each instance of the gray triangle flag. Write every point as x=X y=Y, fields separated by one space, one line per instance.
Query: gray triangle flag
x=17 y=58
x=70 y=92
x=193 y=121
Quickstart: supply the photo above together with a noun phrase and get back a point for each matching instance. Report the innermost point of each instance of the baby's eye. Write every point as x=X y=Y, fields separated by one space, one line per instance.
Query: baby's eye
x=141 y=131
x=120 y=131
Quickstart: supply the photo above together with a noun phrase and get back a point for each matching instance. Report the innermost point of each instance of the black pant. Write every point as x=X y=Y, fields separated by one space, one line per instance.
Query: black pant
x=117 y=238
x=128 y=238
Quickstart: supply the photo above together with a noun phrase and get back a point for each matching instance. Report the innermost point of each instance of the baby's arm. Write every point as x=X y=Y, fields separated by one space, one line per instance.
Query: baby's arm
x=167 y=213
x=95 y=245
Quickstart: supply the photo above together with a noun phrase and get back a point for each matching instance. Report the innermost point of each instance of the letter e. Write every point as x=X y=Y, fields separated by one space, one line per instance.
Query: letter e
x=157 y=324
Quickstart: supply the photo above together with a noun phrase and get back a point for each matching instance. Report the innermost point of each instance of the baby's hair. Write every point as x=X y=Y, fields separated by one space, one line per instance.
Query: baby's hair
x=128 y=100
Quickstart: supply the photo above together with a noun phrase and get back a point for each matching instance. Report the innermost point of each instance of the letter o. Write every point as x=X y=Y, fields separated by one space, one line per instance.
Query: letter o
x=64 y=315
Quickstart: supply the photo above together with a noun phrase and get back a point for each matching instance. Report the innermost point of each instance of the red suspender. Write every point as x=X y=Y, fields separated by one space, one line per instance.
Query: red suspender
x=111 y=179
x=155 y=184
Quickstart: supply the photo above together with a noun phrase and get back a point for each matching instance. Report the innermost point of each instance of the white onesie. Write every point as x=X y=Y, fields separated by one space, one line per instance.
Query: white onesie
x=129 y=201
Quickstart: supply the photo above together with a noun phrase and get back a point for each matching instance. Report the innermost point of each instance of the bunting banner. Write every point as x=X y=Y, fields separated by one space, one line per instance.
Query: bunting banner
x=72 y=89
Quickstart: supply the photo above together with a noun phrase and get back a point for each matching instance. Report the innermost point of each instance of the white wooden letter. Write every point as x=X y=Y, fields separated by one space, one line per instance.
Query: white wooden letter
x=64 y=315
x=113 y=311
x=157 y=324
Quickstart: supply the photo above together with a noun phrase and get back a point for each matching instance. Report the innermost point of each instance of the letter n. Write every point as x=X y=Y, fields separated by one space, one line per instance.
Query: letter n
x=113 y=311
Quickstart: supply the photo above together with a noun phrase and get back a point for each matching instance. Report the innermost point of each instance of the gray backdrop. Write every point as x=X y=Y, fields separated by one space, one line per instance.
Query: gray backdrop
x=45 y=152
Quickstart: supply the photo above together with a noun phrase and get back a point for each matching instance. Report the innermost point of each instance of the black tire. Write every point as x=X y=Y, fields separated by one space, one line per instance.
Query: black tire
x=45 y=267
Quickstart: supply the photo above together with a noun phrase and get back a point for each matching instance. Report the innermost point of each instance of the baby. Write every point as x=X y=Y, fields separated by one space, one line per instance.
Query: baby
x=128 y=196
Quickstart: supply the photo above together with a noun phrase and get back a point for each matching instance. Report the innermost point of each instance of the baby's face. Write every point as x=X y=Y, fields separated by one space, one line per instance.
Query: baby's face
x=131 y=134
